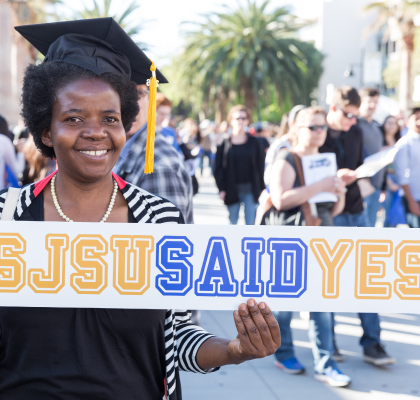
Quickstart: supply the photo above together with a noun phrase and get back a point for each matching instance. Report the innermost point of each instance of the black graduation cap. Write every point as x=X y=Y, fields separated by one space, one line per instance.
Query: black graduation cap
x=99 y=45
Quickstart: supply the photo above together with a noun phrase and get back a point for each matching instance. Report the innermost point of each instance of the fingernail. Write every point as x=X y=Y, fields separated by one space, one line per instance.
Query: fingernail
x=242 y=307
x=251 y=302
x=262 y=306
x=236 y=313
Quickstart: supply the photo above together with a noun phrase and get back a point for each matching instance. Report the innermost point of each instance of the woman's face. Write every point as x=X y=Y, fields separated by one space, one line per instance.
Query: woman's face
x=86 y=132
x=391 y=126
x=311 y=131
x=239 y=120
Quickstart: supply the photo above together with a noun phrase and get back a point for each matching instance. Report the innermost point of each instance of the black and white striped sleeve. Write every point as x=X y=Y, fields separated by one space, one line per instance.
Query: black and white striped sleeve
x=3 y=195
x=189 y=338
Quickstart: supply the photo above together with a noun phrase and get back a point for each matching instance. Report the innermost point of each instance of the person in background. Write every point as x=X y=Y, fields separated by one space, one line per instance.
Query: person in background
x=239 y=168
x=4 y=128
x=8 y=162
x=283 y=141
x=207 y=128
x=400 y=116
x=12 y=161
x=169 y=178
x=345 y=139
x=163 y=115
x=260 y=132
x=391 y=134
x=407 y=168
x=372 y=143
x=288 y=195
x=191 y=149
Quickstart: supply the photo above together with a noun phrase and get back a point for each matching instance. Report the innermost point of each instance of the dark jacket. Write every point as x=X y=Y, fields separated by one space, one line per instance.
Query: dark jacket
x=348 y=147
x=224 y=172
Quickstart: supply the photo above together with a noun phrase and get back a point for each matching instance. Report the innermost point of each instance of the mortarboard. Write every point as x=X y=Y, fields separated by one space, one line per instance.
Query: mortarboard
x=99 y=45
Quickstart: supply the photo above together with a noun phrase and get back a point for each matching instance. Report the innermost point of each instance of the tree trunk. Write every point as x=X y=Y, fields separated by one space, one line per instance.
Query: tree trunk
x=405 y=74
x=248 y=93
x=221 y=111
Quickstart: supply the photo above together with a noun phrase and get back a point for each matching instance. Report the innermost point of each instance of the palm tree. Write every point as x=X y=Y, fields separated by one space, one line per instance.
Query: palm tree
x=397 y=17
x=242 y=53
x=103 y=11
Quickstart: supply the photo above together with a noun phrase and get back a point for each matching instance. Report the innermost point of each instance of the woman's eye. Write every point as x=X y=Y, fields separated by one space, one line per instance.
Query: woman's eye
x=110 y=120
x=73 y=119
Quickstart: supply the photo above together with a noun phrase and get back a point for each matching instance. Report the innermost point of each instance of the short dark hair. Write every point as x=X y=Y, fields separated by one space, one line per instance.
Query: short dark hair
x=346 y=96
x=415 y=110
x=40 y=85
x=368 y=92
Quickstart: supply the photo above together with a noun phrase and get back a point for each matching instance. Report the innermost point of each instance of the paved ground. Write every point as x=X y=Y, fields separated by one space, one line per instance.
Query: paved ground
x=260 y=380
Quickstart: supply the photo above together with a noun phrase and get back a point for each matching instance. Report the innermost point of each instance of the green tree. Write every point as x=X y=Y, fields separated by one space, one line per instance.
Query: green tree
x=104 y=10
x=241 y=54
x=397 y=17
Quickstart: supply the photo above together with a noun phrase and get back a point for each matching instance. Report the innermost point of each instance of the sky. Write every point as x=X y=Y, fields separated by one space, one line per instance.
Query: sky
x=162 y=20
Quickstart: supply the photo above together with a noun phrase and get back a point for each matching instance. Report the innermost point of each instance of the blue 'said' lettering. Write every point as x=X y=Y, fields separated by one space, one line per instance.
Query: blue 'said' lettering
x=216 y=276
x=288 y=267
x=176 y=278
x=253 y=249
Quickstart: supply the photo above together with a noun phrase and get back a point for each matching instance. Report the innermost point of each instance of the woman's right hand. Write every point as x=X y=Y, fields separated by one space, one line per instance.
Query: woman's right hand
x=330 y=184
x=222 y=195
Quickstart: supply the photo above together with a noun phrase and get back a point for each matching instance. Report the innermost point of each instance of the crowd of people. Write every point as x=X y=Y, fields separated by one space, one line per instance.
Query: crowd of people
x=259 y=165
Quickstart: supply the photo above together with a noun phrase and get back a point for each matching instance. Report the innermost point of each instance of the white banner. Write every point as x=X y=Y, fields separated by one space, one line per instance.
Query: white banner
x=47 y=264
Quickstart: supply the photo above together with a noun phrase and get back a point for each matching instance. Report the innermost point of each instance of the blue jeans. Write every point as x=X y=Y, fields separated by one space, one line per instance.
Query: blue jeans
x=320 y=335
x=371 y=329
x=389 y=198
x=347 y=219
x=247 y=198
x=370 y=321
x=372 y=207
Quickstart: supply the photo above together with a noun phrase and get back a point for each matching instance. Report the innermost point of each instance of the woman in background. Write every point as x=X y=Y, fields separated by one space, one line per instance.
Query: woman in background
x=287 y=196
x=392 y=133
x=239 y=167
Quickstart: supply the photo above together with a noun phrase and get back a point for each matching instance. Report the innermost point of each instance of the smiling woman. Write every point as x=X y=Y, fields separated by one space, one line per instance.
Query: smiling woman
x=79 y=104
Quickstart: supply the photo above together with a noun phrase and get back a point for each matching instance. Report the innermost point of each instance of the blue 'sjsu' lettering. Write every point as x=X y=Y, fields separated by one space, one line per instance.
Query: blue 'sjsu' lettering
x=288 y=267
x=177 y=272
x=216 y=276
x=253 y=249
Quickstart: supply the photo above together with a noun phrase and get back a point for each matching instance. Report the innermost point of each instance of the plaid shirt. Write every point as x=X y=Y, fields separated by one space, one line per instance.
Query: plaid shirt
x=169 y=179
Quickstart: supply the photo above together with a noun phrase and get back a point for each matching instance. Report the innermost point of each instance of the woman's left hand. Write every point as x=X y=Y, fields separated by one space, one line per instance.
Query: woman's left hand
x=258 y=333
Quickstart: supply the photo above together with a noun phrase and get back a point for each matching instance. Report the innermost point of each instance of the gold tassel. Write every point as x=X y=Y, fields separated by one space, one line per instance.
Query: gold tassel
x=151 y=122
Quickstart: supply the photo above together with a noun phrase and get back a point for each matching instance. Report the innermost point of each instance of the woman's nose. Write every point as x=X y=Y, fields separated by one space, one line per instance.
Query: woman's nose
x=94 y=130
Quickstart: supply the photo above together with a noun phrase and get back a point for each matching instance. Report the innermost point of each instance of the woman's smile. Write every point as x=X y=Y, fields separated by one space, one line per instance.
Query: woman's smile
x=95 y=154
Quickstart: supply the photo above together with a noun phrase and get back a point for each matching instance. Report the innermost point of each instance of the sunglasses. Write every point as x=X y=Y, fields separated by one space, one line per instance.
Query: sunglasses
x=240 y=119
x=347 y=115
x=314 y=128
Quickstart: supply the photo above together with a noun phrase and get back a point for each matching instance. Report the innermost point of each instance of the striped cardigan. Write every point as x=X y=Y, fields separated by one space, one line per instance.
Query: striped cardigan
x=182 y=338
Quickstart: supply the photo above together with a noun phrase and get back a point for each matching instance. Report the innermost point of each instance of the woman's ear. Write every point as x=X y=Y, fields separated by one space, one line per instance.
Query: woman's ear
x=46 y=138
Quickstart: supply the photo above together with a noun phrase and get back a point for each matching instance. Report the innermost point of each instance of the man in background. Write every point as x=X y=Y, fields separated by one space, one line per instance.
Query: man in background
x=407 y=168
x=345 y=139
x=373 y=141
x=163 y=115
x=169 y=178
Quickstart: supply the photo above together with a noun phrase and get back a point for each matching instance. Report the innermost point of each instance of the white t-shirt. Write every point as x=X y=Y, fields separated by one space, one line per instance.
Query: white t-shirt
x=7 y=157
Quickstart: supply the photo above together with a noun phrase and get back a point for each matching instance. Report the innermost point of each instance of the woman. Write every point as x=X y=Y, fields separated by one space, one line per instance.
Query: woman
x=80 y=116
x=239 y=167
x=392 y=133
x=288 y=195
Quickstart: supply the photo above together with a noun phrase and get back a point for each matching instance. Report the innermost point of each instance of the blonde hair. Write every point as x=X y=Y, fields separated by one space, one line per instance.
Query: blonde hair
x=309 y=112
